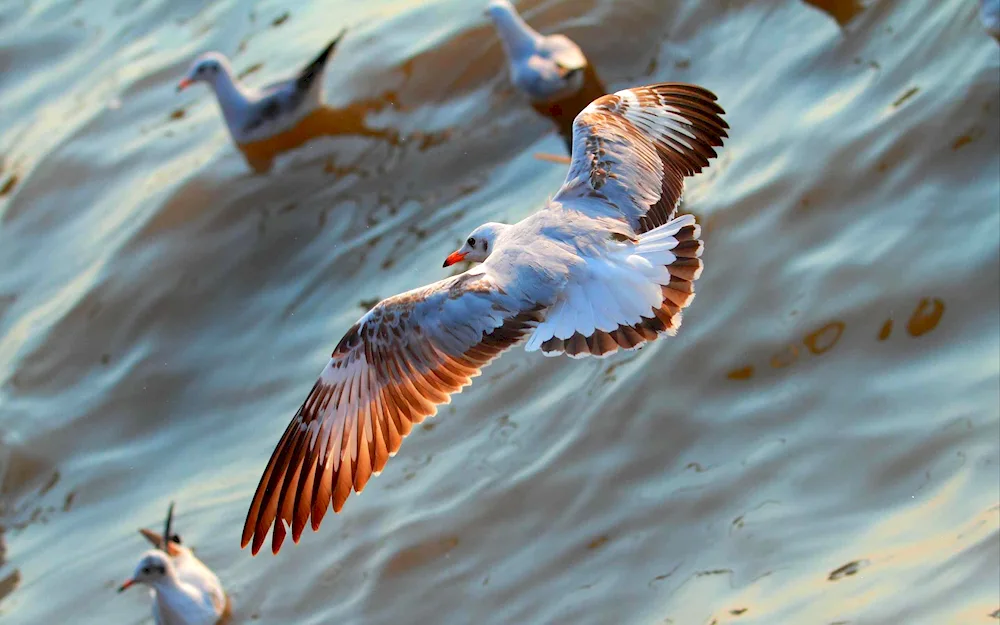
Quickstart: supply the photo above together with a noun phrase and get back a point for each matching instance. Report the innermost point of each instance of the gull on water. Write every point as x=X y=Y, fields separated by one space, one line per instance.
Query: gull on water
x=184 y=590
x=543 y=67
x=989 y=15
x=256 y=114
x=604 y=266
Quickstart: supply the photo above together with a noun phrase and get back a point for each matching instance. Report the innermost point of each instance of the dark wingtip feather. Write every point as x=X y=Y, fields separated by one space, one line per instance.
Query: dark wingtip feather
x=324 y=56
x=309 y=73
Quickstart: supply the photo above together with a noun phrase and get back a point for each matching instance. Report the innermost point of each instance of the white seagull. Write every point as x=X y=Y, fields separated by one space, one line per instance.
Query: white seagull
x=544 y=67
x=989 y=14
x=604 y=266
x=256 y=114
x=184 y=590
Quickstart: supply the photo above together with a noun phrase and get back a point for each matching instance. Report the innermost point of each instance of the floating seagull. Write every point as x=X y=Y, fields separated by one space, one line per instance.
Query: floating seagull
x=185 y=591
x=256 y=114
x=544 y=67
x=604 y=266
x=989 y=14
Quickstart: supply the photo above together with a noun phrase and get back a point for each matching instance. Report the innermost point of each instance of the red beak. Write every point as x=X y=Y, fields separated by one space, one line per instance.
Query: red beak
x=183 y=84
x=453 y=258
x=124 y=586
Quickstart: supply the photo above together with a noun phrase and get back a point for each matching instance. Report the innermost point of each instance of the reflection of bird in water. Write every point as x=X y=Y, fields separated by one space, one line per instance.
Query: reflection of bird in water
x=184 y=590
x=324 y=121
x=989 y=14
x=604 y=266
x=551 y=70
x=841 y=10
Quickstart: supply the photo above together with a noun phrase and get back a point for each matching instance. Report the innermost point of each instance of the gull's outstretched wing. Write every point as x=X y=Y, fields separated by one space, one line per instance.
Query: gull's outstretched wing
x=633 y=149
x=391 y=370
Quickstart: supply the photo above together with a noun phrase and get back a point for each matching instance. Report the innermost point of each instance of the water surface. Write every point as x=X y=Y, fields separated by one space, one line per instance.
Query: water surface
x=819 y=444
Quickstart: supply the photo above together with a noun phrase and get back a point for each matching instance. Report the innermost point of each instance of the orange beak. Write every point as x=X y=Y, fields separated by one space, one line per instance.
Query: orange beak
x=454 y=257
x=183 y=84
x=126 y=585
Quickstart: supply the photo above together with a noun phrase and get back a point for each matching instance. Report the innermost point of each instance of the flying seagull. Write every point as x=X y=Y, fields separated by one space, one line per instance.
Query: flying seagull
x=604 y=266
x=184 y=590
x=257 y=114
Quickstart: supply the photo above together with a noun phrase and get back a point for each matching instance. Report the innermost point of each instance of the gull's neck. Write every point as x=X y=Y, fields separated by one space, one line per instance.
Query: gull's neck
x=518 y=38
x=233 y=98
x=177 y=602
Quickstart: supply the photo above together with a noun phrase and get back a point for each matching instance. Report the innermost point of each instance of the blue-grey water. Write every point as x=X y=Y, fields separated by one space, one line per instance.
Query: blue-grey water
x=820 y=444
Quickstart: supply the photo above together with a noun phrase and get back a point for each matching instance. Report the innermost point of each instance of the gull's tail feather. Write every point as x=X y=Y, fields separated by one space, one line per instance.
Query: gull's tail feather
x=635 y=297
x=309 y=73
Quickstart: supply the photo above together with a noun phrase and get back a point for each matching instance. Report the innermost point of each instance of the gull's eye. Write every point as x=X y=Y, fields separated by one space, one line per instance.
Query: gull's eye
x=472 y=241
x=146 y=570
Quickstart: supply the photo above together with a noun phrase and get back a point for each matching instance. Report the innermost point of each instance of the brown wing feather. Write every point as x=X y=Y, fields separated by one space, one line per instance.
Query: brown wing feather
x=634 y=148
x=386 y=375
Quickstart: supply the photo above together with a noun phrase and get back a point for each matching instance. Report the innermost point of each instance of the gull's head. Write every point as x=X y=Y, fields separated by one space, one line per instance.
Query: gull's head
x=497 y=8
x=206 y=68
x=478 y=246
x=154 y=567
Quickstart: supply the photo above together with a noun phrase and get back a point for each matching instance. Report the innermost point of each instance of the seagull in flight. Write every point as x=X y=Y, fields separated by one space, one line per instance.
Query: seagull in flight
x=605 y=266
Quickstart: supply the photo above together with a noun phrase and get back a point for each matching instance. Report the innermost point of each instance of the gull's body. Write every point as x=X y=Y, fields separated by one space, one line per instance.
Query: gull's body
x=604 y=266
x=183 y=589
x=543 y=67
x=989 y=14
x=254 y=114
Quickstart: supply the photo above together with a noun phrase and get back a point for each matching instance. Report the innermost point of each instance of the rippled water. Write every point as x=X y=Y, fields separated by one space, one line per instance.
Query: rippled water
x=820 y=444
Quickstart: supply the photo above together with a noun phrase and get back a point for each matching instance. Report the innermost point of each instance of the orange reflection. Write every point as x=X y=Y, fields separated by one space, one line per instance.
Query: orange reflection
x=841 y=10
x=961 y=141
x=886 y=330
x=785 y=357
x=825 y=338
x=598 y=542
x=741 y=374
x=420 y=554
x=565 y=110
x=9 y=185
x=323 y=122
x=553 y=158
x=925 y=317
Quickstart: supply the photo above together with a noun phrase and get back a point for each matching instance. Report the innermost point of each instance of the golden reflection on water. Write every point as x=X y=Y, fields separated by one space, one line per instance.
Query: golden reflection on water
x=323 y=122
x=563 y=111
x=163 y=312
x=785 y=357
x=886 y=330
x=823 y=340
x=9 y=185
x=841 y=10
x=743 y=373
x=419 y=555
x=925 y=318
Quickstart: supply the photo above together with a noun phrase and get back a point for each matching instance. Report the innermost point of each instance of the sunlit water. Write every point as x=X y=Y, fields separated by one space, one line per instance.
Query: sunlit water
x=819 y=444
